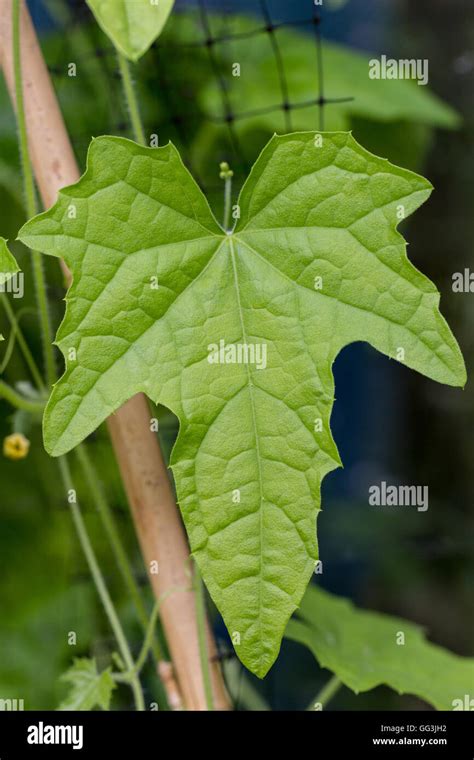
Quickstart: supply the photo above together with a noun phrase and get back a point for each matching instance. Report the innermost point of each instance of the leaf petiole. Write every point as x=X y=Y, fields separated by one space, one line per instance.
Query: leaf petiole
x=131 y=99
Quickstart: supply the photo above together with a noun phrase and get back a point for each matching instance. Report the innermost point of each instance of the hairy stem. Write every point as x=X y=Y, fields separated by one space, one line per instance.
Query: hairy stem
x=31 y=204
x=110 y=527
x=99 y=582
x=202 y=638
x=131 y=99
x=28 y=181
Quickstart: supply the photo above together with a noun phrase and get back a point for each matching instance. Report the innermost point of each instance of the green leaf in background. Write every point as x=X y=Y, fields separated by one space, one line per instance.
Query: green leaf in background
x=367 y=649
x=8 y=266
x=89 y=688
x=236 y=334
x=346 y=76
x=132 y=25
x=371 y=108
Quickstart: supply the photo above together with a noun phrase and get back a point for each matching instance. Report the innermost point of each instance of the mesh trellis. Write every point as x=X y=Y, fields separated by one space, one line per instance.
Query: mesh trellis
x=213 y=33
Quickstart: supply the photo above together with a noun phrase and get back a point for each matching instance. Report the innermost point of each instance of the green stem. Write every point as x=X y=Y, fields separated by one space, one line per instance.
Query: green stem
x=8 y=352
x=146 y=647
x=329 y=689
x=12 y=318
x=131 y=99
x=148 y=642
x=202 y=637
x=31 y=204
x=227 y=202
x=20 y=402
x=100 y=583
x=110 y=527
x=29 y=185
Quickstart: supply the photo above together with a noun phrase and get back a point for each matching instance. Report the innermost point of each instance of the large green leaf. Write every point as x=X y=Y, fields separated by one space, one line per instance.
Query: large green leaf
x=89 y=688
x=132 y=25
x=255 y=440
x=8 y=266
x=367 y=649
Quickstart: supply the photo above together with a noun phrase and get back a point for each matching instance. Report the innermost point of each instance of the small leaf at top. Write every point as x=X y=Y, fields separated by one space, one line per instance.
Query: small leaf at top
x=236 y=333
x=366 y=649
x=132 y=25
x=89 y=688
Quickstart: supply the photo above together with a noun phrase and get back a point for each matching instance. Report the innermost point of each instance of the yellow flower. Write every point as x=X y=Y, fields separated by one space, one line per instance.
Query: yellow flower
x=16 y=446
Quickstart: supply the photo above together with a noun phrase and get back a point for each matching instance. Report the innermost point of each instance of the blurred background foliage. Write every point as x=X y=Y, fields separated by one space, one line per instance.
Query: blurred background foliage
x=390 y=424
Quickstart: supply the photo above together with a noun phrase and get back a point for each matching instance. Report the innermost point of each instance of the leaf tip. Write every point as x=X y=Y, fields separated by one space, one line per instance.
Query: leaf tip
x=462 y=379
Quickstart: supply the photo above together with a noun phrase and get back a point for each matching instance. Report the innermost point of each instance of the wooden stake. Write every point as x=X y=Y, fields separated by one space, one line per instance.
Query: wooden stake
x=144 y=473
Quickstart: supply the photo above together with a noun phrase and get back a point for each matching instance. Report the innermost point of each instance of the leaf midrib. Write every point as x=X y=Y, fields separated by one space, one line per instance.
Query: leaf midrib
x=257 y=444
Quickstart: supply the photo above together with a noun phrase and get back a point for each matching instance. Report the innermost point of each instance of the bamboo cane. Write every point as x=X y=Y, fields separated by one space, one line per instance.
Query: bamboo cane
x=157 y=521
